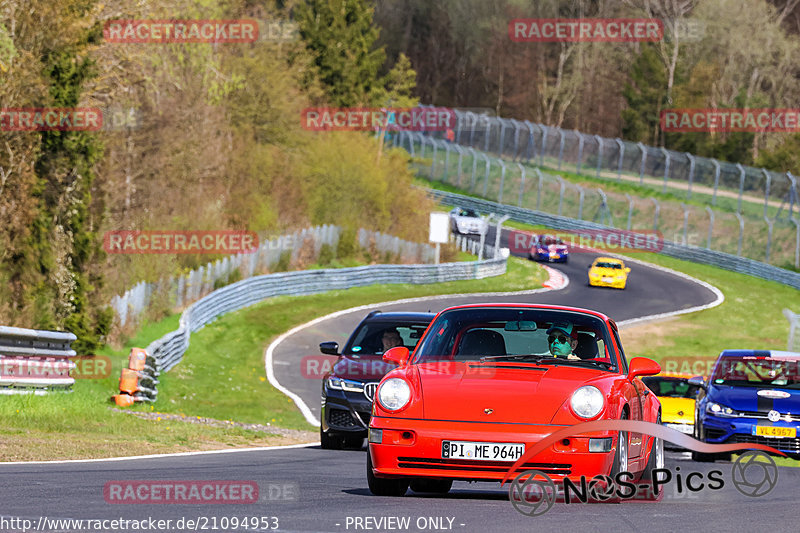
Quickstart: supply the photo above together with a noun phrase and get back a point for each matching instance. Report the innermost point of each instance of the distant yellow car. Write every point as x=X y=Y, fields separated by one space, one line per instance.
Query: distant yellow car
x=608 y=272
x=677 y=397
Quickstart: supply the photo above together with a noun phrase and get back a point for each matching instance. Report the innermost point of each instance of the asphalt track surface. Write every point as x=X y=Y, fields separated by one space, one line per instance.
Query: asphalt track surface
x=310 y=489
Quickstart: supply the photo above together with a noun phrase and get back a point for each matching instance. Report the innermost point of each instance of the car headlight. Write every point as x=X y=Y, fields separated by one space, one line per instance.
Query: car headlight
x=718 y=409
x=394 y=394
x=587 y=402
x=344 y=384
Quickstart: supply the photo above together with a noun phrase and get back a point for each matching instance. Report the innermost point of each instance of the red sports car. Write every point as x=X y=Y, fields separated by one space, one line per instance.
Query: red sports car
x=483 y=386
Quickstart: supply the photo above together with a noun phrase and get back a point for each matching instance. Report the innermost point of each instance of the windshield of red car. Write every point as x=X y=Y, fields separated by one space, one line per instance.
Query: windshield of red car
x=757 y=372
x=469 y=334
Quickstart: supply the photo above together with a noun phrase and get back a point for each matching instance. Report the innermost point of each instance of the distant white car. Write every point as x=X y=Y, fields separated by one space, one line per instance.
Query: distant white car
x=466 y=221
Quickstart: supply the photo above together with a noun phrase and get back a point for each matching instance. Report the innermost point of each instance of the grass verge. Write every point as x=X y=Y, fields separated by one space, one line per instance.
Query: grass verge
x=221 y=377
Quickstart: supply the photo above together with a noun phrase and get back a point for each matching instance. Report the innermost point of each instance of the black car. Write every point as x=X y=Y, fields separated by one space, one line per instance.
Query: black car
x=349 y=388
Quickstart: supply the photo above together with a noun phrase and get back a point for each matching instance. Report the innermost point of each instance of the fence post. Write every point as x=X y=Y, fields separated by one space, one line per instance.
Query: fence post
x=643 y=148
x=796 y=242
x=580 y=202
x=769 y=238
x=447 y=147
x=599 y=155
x=502 y=180
x=716 y=181
x=486 y=179
x=474 y=167
x=792 y=193
x=472 y=127
x=539 y=189
x=460 y=151
x=502 y=137
x=655 y=216
x=560 y=193
x=421 y=145
x=544 y=144
x=621 y=155
x=581 y=142
x=531 y=148
x=517 y=127
x=691 y=175
x=560 y=147
x=741 y=186
x=741 y=233
x=487 y=134
x=604 y=208
x=433 y=159
x=521 y=183
x=666 y=168
x=630 y=209
x=459 y=125
x=710 y=226
x=766 y=190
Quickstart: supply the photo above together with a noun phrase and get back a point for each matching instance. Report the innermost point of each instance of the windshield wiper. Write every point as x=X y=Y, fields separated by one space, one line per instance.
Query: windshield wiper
x=534 y=357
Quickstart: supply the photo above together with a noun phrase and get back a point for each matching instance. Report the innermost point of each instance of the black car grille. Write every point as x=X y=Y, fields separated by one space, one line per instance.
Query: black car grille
x=343 y=419
x=793 y=445
x=483 y=466
x=714 y=433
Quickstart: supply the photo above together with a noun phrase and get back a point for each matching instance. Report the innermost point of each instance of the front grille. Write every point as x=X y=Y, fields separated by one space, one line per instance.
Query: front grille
x=714 y=433
x=763 y=416
x=482 y=466
x=792 y=445
x=343 y=419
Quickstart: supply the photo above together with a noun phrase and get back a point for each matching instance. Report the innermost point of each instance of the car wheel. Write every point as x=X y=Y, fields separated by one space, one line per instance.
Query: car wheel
x=656 y=460
x=329 y=442
x=384 y=487
x=435 y=486
x=621 y=457
x=702 y=457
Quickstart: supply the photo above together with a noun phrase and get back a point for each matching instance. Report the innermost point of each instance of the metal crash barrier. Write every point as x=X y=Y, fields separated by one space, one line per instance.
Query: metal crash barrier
x=35 y=361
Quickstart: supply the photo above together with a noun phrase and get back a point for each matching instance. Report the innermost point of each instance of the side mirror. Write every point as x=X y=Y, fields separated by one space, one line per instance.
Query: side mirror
x=329 y=348
x=397 y=355
x=697 y=381
x=642 y=366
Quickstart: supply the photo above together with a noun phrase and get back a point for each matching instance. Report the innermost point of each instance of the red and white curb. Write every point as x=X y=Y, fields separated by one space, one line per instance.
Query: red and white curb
x=558 y=280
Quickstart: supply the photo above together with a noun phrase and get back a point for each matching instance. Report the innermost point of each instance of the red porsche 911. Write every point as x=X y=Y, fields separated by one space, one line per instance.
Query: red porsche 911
x=487 y=382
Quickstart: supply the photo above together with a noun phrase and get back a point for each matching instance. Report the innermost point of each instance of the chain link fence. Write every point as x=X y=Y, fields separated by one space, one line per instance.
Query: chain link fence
x=746 y=233
x=182 y=290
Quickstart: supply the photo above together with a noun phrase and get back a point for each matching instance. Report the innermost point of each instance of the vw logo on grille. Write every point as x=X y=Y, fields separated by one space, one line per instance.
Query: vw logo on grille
x=774 y=416
x=369 y=390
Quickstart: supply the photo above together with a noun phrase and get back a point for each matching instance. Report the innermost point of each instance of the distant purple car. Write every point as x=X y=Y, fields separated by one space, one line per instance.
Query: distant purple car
x=549 y=248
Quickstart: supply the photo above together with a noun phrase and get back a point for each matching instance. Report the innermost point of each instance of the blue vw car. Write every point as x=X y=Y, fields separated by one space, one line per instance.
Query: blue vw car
x=752 y=396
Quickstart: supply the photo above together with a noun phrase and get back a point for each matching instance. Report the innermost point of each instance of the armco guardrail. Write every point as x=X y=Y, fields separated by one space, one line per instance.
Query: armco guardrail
x=679 y=251
x=169 y=349
x=35 y=360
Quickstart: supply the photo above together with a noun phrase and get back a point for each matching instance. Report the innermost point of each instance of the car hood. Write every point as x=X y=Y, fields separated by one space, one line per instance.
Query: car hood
x=677 y=410
x=514 y=392
x=747 y=398
x=361 y=368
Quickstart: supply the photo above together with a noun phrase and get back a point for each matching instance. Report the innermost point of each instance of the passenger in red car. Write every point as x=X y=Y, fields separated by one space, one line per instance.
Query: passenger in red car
x=562 y=339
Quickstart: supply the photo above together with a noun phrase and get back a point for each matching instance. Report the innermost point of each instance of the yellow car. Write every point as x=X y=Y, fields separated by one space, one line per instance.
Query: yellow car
x=677 y=399
x=608 y=272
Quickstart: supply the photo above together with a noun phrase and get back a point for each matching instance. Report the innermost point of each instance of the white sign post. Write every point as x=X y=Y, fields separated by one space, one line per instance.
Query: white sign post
x=439 y=231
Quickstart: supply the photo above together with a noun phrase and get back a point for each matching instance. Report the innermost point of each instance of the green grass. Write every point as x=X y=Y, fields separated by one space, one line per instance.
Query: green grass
x=221 y=377
x=222 y=373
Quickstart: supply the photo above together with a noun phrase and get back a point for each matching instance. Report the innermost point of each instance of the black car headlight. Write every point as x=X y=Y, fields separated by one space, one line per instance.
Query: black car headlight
x=344 y=384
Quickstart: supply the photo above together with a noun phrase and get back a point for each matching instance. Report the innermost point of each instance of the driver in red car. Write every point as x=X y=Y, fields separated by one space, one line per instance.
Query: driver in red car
x=562 y=340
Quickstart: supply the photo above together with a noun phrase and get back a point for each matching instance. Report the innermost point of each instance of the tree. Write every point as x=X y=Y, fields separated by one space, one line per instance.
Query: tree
x=646 y=96
x=341 y=38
